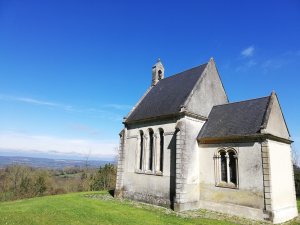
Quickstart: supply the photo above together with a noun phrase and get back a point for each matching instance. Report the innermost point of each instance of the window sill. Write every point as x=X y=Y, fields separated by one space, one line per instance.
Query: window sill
x=159 y=173
x=139 y=171
x=227 y=185
x=149 y=172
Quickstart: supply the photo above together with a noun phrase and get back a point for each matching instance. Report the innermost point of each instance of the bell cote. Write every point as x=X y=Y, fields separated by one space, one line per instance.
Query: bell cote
x=158 y=71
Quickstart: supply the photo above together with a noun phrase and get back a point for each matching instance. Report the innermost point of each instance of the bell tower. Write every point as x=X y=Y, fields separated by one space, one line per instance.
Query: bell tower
x=158 y=72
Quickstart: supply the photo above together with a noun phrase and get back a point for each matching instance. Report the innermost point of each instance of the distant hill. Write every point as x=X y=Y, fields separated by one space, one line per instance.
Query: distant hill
x=49 y=163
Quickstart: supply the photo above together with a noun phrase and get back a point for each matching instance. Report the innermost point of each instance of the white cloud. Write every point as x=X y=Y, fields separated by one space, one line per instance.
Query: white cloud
x=246 y=66
x=273 y=64
x=35 y=102
x=61 y=146
x=247 y=52
x=101 y=113
x=84 y=128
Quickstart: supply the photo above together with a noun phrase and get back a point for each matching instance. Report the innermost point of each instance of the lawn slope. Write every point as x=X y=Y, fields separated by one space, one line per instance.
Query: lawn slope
x=93 y=208
x=87 y=208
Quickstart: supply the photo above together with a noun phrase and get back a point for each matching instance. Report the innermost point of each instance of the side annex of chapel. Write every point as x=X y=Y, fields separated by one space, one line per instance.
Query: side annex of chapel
x=184 y=146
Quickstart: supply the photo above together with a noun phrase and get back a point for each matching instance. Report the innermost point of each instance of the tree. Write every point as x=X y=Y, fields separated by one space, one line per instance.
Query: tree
x=40 y=185
x=14 y=172
x=105 y=179
x=295 y=160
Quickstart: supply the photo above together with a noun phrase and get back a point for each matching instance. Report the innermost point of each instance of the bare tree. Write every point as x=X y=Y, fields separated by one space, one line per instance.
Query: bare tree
x=87 y=156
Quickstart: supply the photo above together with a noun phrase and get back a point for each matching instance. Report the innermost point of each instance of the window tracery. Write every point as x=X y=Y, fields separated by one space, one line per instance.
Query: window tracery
x=226 y=168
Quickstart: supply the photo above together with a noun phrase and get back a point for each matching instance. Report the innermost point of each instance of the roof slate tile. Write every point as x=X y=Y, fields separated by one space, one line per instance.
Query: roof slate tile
x=235 y=119
x=168 y=95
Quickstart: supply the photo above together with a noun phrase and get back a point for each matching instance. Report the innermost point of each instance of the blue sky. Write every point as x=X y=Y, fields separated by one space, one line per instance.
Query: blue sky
x=70 y=70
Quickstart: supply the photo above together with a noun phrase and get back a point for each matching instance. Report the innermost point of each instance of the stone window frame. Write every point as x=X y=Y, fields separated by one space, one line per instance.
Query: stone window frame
x=219 y=182
x=140 y=151
x=143 y=142
x=160 y=151
x=150 y=151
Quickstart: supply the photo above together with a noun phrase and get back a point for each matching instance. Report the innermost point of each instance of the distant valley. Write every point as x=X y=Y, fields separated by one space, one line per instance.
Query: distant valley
x=49 y=163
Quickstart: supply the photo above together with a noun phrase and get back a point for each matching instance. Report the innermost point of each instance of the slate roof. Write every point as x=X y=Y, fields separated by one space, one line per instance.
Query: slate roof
x=235 y=119
x=168 y=95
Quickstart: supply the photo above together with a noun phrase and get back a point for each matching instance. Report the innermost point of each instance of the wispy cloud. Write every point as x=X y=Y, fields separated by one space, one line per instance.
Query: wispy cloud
x=248 y=52
x=106 y=111
x=251 y=63
x=291 y=53
x=246 y=65
x=84 y=128
x=35 y=102
x=272 y=64
x=61 y=146
x=118 y=106
x=279 y=61
x=104 y=114
x=266 y=64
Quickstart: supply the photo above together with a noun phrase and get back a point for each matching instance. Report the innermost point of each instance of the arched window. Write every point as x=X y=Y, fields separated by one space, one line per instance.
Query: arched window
x=150 y=159
x=223 y=166
x=159 y=75
x=232 y=166
x=161 y=150
x=226 y=168
x=141 y=149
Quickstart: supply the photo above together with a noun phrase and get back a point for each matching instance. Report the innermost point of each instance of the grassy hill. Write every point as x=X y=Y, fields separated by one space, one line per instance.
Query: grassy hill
x=101 y=208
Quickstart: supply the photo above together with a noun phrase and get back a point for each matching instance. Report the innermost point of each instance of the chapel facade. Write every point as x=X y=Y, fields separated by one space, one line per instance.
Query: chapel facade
x=184 y=146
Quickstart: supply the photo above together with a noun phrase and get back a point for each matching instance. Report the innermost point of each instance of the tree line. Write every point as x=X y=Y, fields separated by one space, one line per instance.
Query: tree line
x=21 y=181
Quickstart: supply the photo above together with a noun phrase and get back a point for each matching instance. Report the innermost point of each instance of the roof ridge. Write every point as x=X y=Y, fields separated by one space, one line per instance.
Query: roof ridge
x=248 y=100
x=176 y=74
x=267 y=113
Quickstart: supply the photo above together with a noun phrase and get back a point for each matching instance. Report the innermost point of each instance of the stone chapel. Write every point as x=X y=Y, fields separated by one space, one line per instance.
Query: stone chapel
x=184 y=146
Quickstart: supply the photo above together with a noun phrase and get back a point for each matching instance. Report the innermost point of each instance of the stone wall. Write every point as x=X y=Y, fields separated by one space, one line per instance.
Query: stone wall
x=208 y=92
x=248 y=195
x=154 y=186
x=187 y=164
x=283 y=204
x=179 y=181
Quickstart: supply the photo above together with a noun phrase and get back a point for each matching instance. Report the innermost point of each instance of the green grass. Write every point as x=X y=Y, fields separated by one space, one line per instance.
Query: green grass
x=75 y=209
x=96 y=208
